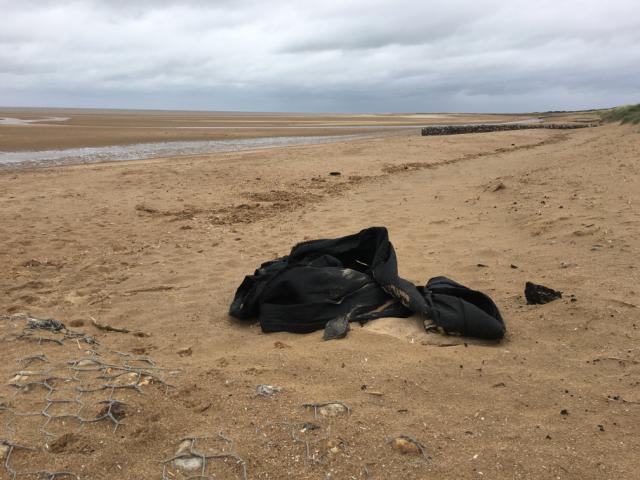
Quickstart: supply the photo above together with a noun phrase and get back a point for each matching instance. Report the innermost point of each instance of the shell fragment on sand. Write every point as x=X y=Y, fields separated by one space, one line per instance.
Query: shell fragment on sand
x=267 y=390
x=329 y=409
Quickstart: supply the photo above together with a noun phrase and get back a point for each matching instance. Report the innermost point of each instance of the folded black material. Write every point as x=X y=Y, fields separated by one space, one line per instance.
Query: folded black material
x=356 y=277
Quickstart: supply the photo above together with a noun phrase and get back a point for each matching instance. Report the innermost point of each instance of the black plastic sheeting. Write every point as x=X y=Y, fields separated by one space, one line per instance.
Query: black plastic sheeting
x=322 y=283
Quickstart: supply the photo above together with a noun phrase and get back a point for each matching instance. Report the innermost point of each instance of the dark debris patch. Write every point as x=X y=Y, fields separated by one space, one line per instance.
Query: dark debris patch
x=539 y=294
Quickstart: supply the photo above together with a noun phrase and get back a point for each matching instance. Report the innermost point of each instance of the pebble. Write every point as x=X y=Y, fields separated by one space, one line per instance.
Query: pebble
x=407 y=446
x=267 y=390
x=188 y=463
x=333 y=410
x=4 y=451
x=185 y=352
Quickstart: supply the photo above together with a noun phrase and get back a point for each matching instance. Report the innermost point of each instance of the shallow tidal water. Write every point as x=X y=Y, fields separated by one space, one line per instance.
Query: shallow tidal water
x=142 y=151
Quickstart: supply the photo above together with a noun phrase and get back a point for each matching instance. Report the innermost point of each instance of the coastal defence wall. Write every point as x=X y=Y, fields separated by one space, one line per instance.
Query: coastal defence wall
x=499 y=127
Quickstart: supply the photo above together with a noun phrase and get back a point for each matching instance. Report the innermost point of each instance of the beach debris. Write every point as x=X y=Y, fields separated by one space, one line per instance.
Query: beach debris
x=190 y=462
x=69 y=442
x=108 y=328
x=113 y=409
x=539 y=294
x=329 y=409
x=62 y=388
x=334 y=445
x=499 y=186
x=335 y=174
x=45 y=324
x=187 y=458
x=4 y=449
x=185 y=352
x=336 y=328
x=32 y=263
x=158 y=288
x=356 y=277
x=407 y=445
x=57 y=331
x=141 y=207
x=267 y=390
x=308 y=426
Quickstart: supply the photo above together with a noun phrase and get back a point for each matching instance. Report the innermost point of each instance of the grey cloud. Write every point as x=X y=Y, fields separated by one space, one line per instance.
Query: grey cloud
x=407 y=55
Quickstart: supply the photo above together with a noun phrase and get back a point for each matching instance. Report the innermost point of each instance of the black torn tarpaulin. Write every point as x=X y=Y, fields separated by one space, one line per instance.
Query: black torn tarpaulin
x=356 y=278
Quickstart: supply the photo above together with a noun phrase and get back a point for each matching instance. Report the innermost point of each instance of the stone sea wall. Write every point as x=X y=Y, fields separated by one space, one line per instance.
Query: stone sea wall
x=498 y=127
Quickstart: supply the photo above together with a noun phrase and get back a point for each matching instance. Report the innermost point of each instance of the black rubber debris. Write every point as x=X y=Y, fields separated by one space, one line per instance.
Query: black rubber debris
x=539 y=294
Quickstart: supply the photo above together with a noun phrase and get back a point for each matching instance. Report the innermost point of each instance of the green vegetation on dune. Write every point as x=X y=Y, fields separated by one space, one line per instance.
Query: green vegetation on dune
x=625 y=114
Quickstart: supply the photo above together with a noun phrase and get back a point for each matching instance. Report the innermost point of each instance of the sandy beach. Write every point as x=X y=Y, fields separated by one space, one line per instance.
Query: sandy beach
x=157 y=247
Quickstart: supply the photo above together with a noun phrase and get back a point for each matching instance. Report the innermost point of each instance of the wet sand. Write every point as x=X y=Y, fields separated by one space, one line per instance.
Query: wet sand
x=95 y=128
x=159 y=246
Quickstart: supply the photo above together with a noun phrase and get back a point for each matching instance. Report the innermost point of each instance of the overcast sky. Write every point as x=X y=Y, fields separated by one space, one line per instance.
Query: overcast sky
x=322 y=55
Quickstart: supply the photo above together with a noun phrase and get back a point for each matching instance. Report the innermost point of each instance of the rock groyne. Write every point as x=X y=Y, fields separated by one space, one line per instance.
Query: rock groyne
x=498 y=127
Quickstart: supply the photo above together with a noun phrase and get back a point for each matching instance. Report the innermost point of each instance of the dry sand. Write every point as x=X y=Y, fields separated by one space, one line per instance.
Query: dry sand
x=160 y=246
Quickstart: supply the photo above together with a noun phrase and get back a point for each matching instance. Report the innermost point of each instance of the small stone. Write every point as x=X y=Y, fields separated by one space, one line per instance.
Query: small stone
x=334 y=446
x=335 y=174
x=188 y=463
x=185 y=352
x=333 y=410
x=4 y=450
x=336 y=328
x=564 y=411
x=407 y=446
x=268 y=390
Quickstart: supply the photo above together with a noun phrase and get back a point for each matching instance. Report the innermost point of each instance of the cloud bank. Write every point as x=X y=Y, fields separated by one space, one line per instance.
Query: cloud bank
x=331 y=56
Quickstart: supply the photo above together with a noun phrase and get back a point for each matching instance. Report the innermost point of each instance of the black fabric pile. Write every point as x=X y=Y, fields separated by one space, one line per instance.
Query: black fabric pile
x=326 y=284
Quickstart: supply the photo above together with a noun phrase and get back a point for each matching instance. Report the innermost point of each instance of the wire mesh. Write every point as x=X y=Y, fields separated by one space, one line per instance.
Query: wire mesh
x=74 y=385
